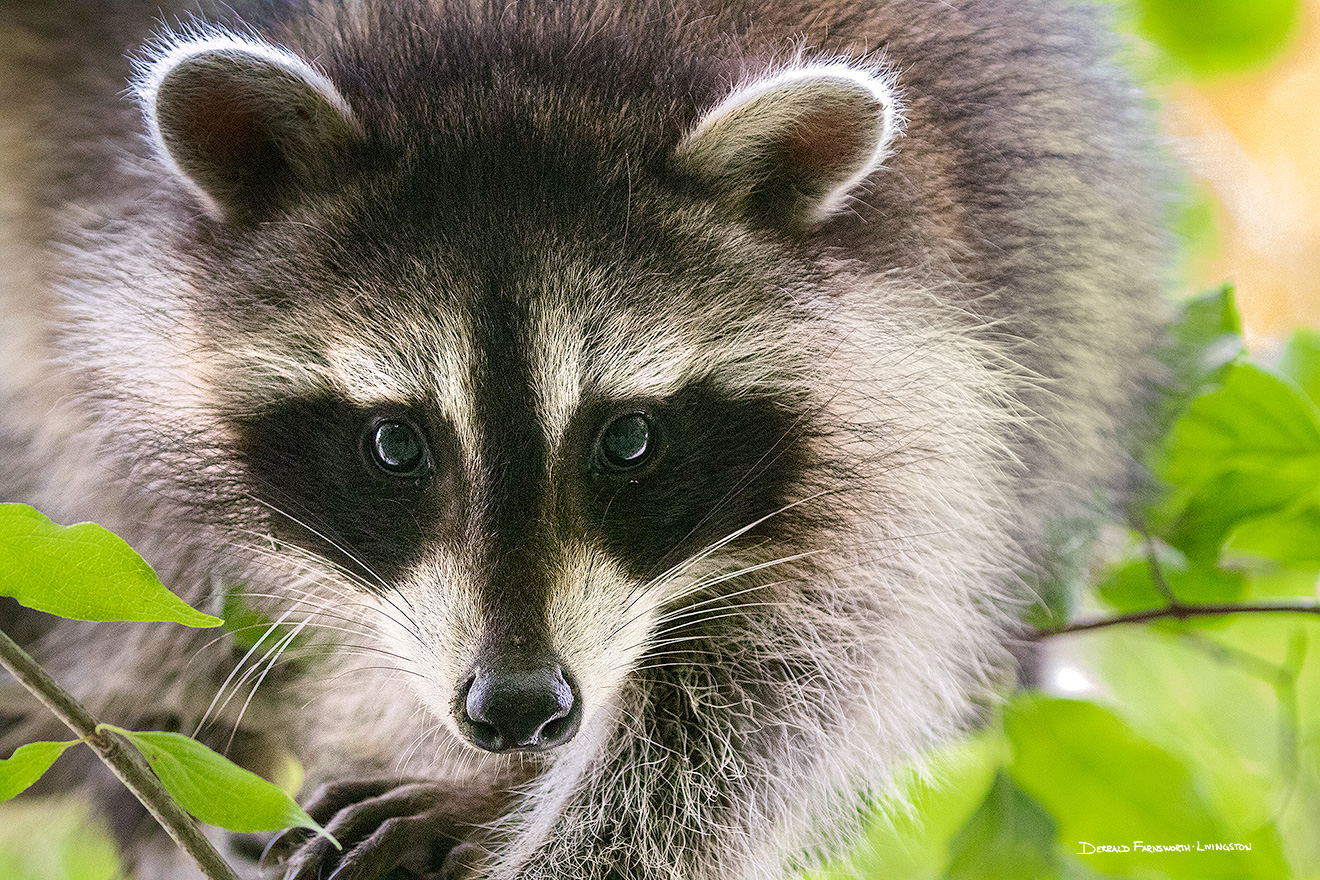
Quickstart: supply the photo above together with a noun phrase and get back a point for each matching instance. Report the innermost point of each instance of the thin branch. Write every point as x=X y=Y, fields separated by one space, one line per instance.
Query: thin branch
x=1177 y=611
x=120 y=756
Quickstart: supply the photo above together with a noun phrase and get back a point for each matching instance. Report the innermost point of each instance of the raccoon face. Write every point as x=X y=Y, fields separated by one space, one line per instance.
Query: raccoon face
x=523 y=501
x=531 y=437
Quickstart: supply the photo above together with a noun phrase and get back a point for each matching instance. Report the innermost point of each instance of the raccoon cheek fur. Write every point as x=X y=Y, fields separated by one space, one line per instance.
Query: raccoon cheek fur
x=645 y=414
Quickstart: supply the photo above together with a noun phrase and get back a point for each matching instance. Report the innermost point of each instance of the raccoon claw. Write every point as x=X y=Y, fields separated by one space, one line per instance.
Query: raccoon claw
x=389 y=831
x=325 y=803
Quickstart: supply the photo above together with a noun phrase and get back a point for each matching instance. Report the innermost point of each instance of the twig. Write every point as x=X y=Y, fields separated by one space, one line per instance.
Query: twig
x=1177 y=611
x=120 y=756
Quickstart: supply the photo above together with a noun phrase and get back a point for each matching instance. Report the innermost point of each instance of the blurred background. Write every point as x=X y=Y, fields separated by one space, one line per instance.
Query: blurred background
x=1185 y=735
x=1240 y=82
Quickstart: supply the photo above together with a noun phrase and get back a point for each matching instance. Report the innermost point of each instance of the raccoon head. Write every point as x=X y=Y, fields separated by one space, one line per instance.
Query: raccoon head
x=533 y=434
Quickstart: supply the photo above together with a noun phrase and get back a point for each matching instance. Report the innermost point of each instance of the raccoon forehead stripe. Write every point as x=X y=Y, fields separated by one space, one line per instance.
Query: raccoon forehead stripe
x=360 y=373
x=572 y=349
x=557 y=351
x=368 y=376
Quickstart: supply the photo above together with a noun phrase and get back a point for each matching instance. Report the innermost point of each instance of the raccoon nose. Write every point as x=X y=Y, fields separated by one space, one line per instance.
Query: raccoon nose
x=517 y=709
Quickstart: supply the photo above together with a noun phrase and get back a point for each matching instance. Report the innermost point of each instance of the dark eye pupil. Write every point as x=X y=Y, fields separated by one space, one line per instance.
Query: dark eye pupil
x=397 y=447
x=627 y=441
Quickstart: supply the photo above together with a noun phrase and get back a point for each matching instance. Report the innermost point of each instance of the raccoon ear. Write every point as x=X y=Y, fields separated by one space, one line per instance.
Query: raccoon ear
x=791 y=148
x=245 y=124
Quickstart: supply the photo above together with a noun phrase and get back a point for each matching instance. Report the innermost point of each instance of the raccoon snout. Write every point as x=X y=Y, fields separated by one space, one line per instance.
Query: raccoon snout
x=515 y=708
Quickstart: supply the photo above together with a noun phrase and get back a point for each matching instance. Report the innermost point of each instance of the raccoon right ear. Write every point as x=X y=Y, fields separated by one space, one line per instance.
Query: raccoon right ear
x=243 y=123
x=793 y=147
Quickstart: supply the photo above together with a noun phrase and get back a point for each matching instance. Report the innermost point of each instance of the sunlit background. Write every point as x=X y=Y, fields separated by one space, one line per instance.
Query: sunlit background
x=1251 y=139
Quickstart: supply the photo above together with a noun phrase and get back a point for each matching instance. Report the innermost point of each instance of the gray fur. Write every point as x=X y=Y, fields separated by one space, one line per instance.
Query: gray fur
x=501 y=216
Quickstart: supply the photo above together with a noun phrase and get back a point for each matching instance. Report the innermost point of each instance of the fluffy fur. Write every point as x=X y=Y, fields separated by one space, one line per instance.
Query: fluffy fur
x=881 y=277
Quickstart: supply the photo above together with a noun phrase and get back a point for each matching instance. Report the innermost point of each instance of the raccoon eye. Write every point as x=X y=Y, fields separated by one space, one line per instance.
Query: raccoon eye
x=397 y=448
x=626 y=442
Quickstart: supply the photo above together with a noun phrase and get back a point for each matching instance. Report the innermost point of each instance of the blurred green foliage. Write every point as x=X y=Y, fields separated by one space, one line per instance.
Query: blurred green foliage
x=1214 y=37
x=55 y=839
x=1191 y=732
x=1209 y=39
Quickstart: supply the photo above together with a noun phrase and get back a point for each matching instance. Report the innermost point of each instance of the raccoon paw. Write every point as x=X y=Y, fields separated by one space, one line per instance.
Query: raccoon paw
x=389 y=831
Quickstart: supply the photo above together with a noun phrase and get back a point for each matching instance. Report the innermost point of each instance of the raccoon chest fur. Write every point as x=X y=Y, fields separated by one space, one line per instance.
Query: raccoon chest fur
x=639 y=418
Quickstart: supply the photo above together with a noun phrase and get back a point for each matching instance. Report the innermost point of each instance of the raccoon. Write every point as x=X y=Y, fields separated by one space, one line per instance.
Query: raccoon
x=639 y=423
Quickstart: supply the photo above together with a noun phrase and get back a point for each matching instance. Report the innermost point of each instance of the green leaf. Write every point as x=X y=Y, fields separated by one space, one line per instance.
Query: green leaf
x=1108 y=786
x=1290 y=536
x=1301 y=361
x=28 y=763
x=1256 y=417
x=909 y=837
x=82 y=572
x=1063 y=575
x=1131 y=586
x=1250 y=448
x=1009 y=837
x=213 y=788
x=1209 y=37
x=1209 y=329
x=1212 y=709
x=286 y=772
x=1202 y=343
x=1282 y=582
x=246 y=624
x=249 y=627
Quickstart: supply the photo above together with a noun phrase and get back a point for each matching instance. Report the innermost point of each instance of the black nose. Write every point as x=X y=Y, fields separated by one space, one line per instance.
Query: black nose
x=524 y=709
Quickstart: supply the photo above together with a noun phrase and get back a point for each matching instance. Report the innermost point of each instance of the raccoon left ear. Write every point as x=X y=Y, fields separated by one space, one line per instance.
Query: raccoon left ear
x=791 y=148
x=244 y=123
